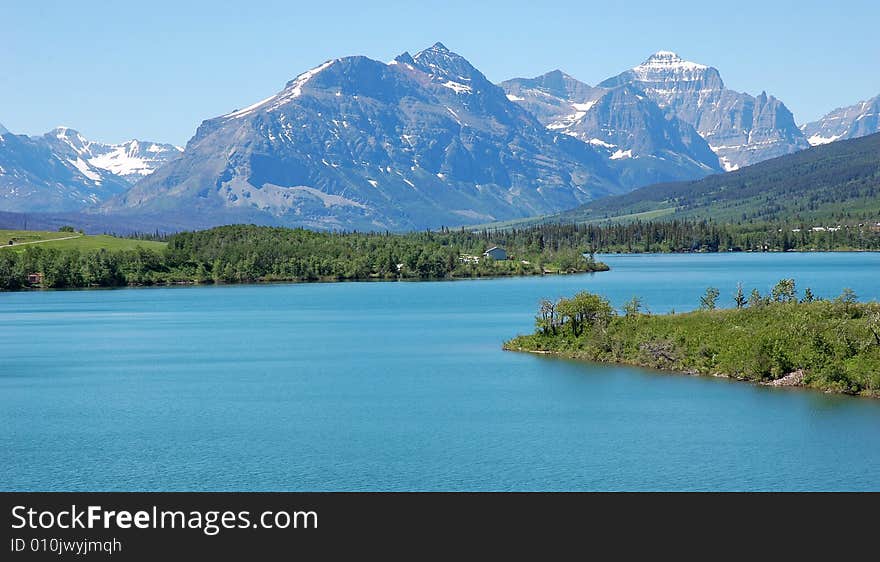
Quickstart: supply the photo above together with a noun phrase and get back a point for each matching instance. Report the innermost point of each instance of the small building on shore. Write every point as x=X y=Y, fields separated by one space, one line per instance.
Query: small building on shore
x=35 y=278
x=496 y=253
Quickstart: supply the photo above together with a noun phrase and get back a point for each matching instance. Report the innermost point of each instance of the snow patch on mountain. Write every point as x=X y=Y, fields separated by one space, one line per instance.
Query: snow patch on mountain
x=133 y=158
x=818 y=139
x=84 y=169
x=290 y=92
x=457 y=87
x=667 y=60
x=858 y=120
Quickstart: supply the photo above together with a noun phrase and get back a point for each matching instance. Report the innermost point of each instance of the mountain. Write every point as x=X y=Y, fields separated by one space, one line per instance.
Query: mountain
x=62 y=171
x=839 y=181
x=131 y=160
x=850 y=122
x=419 y=142
x=740 y=128
x=32 y=178
x=622 y=123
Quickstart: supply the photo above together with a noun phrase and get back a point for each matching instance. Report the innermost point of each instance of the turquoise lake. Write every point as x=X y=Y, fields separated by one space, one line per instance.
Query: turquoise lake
x=404 y=386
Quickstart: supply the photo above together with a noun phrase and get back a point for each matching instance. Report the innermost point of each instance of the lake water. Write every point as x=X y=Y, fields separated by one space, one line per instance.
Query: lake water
x=403 y=386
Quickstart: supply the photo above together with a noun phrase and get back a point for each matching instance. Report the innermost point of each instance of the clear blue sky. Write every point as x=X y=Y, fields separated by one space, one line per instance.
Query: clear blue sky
x=154 y=70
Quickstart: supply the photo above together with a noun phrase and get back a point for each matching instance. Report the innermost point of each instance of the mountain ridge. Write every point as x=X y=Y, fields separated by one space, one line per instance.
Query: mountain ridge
x=742 y=129
x=62 y=171
x=422 y=141
x=419 y=142
x=630 y=130
x=848 y=122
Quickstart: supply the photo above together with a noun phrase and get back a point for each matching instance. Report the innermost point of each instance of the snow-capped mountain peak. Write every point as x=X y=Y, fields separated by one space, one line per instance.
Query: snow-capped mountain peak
x=741 y=129
x=669 y=59
x=72 y=138
x=667 y=64
x=449 y=69
x=620 y=123
x=420 y=141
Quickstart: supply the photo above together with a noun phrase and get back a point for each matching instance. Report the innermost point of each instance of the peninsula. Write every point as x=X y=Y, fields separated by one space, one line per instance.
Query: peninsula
x=779 y=339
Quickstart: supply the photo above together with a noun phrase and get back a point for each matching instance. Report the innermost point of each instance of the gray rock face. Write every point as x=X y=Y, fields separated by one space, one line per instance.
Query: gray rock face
x=740 y=128
x=850 y=122
x=62 y=171
x=420 y=142
x=622 y=123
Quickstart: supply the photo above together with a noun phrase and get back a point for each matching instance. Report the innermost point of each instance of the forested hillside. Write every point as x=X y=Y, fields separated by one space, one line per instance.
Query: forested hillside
x=824 y=185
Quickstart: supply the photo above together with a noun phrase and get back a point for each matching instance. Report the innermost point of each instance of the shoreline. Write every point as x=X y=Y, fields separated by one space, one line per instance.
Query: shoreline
x=328 y=280
x=726 y=252
x=787 y=381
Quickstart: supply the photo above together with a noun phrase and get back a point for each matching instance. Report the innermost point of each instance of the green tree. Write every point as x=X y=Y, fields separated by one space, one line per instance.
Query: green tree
x=755 y=299
x=740 y=297
x=547 y=320
x=874 y=325
x=784 y=291
x=848 y=296
x=632 y=307
x=584 y=310
x=709 y=298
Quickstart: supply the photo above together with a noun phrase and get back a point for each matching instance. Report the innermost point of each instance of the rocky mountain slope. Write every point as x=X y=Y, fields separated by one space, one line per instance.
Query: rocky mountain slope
x=622 y=123
x=741 y=129
x=419 y=142
x=850 y=122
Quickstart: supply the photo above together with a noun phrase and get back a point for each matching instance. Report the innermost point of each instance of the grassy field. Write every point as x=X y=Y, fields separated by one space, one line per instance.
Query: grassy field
x=28 y=236
x=24 y=238
x=639 y=216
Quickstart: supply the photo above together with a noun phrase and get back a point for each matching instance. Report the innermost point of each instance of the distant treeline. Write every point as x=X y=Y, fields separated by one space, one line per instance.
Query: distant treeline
x=695 y=236
x=246 y=253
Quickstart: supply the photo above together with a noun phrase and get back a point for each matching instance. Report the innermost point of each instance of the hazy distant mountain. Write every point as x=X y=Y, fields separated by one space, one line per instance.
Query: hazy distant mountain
x=850 y=122
x=62 y=171
x=422 y=141
x=740 y=128
x=622 y=123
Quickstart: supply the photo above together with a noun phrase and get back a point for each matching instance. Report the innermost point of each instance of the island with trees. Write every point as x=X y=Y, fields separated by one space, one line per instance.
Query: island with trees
x=778 y=339
x=249 y=254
